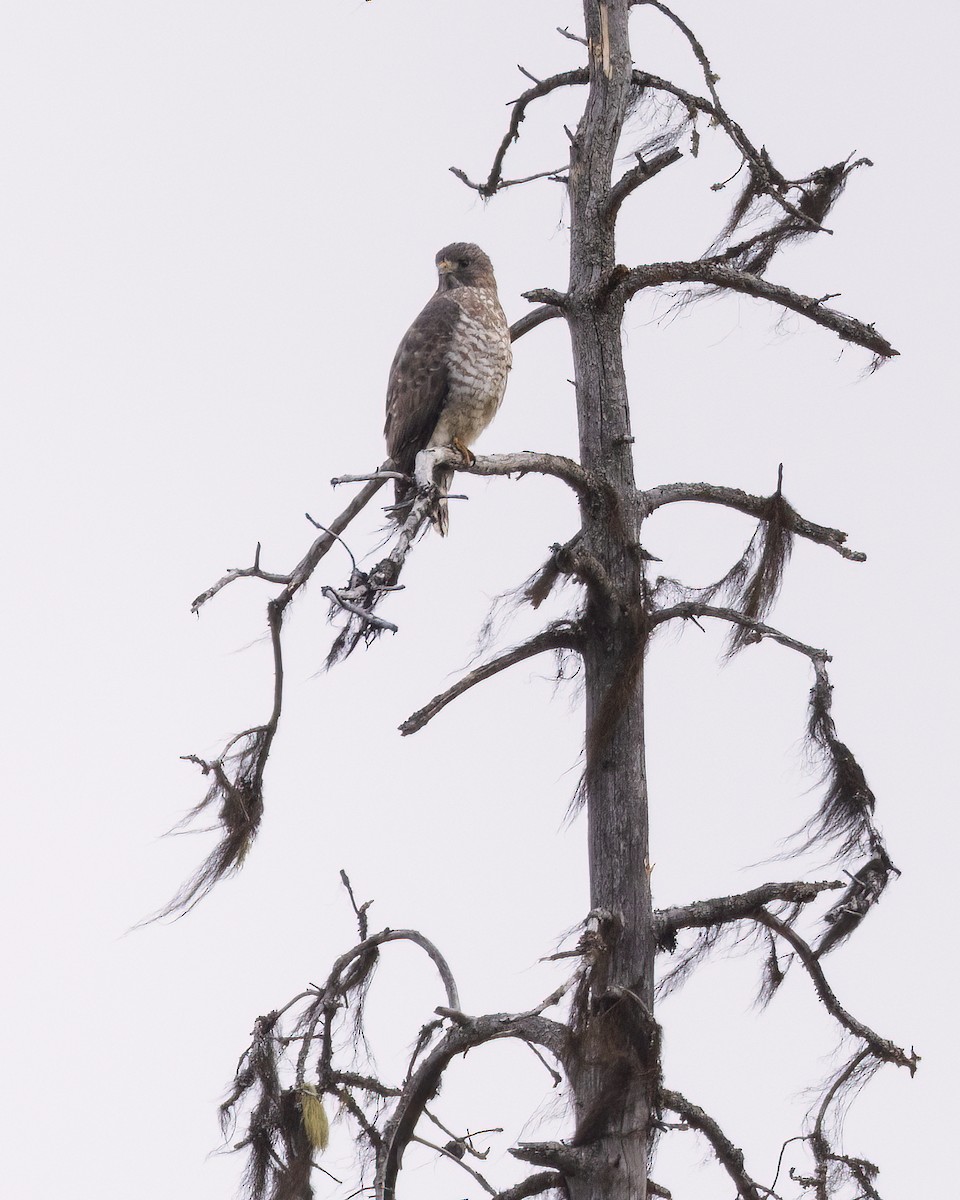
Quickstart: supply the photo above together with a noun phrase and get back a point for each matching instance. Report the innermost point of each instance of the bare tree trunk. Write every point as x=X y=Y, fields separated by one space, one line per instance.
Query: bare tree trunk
x=614 y=1073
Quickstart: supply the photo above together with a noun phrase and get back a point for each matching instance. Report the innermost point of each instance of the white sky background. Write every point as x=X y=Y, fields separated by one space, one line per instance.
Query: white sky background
x=217 y=219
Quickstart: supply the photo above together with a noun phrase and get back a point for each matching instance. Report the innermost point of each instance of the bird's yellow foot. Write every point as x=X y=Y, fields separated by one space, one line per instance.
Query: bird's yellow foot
x=464 y=451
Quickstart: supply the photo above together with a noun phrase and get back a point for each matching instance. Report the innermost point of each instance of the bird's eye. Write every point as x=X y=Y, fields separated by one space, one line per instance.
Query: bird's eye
x=464 y=262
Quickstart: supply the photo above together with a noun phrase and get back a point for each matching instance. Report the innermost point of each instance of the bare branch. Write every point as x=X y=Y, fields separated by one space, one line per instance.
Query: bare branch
x=332 y=986
x=422 y=1084
x=494 y=180
x=671 y=493
x=716 y=274
x=533 y=1185
x=769 y=179
x=546 y=312
x=573 y=37
x=558 y=637
x=383 y=475
x=366 y=1083
x=370 y=1131
x=492 y=1191
x=571 y=1160
x=692 y=608
x=370 y=618
x=366 y=589
x=253 y=572
x=548 y=296
x=553 y=173
x=723 y=909
x=643 y=171
x=524 y=462
x=881 y=1047
x=728 y=1155
x=304 y=569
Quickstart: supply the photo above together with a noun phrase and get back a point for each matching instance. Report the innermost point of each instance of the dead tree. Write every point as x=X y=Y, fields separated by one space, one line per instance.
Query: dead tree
x=604 y=1035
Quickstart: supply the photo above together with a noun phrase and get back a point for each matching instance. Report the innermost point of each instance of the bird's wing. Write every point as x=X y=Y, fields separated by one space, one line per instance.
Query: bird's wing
x=418 y=385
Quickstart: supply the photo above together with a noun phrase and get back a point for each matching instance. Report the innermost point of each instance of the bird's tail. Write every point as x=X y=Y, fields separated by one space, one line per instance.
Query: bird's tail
x=404 y=495
x=440 y=517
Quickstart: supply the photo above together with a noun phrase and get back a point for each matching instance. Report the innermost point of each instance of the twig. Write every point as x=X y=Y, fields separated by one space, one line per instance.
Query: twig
x=561 y=637
x=360 y=912
x=357 y=610
x=331 y=987
x=729 y=1156
x=636 y=176
x=459 y=1161
x=422 y=1083
x=544 y=88
x=316 y=524
x=253 y=572
x=464 y=1142
x=769 y=179
x=573 y=37
x=304 y=569
x=366 y=1083
x=553 y=173
x=383 y=475
x=881 y=1047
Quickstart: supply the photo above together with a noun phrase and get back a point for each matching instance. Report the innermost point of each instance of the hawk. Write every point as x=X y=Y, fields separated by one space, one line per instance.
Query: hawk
x=450 y=370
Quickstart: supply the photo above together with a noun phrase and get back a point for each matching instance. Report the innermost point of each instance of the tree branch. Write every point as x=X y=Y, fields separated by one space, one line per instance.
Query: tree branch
x=524 y=462
x=723 y=909
x=533 y=1185
x=494 y=180
x=715 y=274
x=692 y=608
x=553 y=173
x=558 y=637
x=332 y=986
x=628 y=183
x=755 y=506
x=492 y=1191
x=762 y=169
x=304 y=569
x=366 y=589
x=546 y=312
x=571 y=1160
x=881 y=1047
x=728 y=1155
x=422 y=1084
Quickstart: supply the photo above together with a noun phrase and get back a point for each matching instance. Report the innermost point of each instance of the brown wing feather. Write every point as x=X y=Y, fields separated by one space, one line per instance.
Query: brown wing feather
x=418 y=384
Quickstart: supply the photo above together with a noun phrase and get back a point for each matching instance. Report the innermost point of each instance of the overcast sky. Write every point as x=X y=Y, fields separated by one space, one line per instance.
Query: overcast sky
x=217 y=220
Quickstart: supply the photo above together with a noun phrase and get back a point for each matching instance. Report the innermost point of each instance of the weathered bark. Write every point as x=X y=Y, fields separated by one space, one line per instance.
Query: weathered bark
x=614 y=1062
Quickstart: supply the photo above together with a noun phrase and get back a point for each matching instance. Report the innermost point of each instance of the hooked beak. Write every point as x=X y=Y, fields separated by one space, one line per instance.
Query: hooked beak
x=448 y=280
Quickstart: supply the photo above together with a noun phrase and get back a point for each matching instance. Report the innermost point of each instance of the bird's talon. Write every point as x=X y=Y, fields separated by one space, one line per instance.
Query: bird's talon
x=464 y=451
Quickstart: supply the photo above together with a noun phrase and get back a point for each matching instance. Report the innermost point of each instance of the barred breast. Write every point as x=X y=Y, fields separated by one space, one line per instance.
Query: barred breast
x=477 y=359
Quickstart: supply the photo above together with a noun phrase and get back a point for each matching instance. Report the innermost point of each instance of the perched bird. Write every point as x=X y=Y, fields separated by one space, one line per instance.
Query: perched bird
x=450 y=370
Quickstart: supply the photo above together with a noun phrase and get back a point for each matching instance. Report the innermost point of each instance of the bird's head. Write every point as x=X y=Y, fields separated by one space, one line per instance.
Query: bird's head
x=461 y=264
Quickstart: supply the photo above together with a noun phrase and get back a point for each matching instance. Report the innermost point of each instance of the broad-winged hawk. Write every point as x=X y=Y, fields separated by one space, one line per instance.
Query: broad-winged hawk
x=450 y=370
